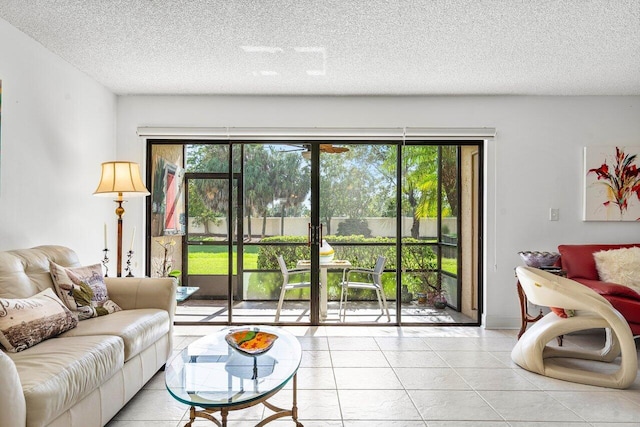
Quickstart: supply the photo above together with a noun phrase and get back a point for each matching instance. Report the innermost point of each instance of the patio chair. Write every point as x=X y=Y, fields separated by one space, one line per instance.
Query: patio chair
x=286 y=274
x=532 y=352
x=374 y=283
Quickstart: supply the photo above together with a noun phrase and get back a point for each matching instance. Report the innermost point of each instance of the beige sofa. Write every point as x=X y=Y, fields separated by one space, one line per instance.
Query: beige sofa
x=84 y=376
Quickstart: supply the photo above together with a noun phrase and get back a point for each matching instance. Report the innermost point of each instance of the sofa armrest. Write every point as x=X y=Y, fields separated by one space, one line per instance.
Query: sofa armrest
x=134 y=292
x=12 y=404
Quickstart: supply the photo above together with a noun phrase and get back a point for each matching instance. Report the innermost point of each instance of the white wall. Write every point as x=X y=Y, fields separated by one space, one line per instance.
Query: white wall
x=534 y=163
x=58 y=125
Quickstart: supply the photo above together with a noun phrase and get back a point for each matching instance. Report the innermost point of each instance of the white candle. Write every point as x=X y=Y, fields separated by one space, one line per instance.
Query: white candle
x=133 y=236
x=105 y=235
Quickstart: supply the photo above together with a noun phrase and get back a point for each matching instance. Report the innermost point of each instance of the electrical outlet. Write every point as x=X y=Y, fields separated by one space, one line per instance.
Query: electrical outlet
x=554 y=214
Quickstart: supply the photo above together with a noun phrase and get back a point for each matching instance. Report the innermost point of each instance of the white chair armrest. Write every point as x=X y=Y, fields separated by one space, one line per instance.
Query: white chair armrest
x=359 y=271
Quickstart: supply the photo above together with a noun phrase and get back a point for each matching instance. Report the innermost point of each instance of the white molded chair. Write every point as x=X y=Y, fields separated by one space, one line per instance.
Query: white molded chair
x=375 y=283
x=286 y=274
x=593 y=311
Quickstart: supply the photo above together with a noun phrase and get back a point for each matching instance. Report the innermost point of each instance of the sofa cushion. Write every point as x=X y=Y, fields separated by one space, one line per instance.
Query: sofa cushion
x=24 y=322
x=610 y=289
x=138 y=328
x=578 y=261
x=83 y=290
x=25 y=272
x=628 y=309
x=620 y=266
x=58 y=373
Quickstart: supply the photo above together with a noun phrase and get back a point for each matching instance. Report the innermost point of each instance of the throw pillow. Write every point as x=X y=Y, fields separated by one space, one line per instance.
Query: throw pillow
x=25 y=322
x=621 y=266
x=83 y=290
x=564 y=313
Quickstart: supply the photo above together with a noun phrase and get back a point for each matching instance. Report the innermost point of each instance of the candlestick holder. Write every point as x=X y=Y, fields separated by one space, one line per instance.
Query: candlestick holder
x=128 y=267
x=105 y=262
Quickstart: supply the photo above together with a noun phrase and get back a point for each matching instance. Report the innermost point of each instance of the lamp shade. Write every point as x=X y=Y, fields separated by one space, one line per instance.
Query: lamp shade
x=119 y=179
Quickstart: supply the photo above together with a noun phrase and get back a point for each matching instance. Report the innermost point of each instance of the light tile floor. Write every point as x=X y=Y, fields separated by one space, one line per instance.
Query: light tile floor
x=410 y=377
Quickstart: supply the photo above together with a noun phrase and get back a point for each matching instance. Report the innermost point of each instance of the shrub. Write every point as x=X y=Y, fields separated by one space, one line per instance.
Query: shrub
x=295 y=250
x=354 y=227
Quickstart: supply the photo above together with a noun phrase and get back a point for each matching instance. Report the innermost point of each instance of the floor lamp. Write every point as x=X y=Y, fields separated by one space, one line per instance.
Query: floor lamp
x=120 y=179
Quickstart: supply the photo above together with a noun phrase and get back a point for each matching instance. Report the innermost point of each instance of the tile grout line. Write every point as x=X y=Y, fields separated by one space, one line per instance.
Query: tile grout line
x=335 y=380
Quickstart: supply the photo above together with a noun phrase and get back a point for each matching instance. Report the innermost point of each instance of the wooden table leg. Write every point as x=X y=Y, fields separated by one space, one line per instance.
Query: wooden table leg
x=224 y=414
x=525 y=317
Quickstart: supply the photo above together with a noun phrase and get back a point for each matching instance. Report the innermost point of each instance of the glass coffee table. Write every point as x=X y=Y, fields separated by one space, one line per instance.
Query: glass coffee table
x=211 y=376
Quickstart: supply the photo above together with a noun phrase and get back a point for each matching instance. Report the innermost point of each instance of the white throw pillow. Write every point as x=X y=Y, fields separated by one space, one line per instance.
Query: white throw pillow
x=25 y=322
x=621 y=266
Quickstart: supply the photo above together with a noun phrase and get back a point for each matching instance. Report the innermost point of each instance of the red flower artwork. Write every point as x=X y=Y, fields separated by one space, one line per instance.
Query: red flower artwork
x=623 y=183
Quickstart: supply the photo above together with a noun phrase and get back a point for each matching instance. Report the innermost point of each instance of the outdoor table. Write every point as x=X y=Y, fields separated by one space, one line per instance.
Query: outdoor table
x=335 y=264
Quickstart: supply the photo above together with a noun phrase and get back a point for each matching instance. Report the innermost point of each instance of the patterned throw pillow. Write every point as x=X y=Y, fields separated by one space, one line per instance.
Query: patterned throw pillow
x=25 y=322
x=83 y=290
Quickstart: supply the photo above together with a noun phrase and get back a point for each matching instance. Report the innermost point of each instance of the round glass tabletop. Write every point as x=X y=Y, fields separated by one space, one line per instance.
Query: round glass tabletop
x=210 y=373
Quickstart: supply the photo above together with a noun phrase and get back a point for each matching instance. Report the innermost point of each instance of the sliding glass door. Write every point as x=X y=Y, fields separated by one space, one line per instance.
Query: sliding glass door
x=358 y=185
x=276 y=275
x=271 y=232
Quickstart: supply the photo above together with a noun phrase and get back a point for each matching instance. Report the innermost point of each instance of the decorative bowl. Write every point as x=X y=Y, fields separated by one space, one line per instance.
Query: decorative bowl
x=250 y=341
x=539 y=259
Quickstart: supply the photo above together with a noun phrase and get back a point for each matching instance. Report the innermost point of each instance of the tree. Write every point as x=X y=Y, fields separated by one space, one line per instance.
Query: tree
x=273 y=179
x=201 y=214
x=290 y=179
x=209 y=197
x=351 y=186
x=257 y=189
x=449 y=176
x=333 y=192
x=420 y=180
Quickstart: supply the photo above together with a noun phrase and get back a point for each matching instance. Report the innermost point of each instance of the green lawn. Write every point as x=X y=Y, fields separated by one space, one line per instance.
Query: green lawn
x=450 y=265
x=215 y=259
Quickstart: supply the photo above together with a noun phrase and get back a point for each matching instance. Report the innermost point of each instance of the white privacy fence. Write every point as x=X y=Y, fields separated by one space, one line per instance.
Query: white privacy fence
x=290 y=226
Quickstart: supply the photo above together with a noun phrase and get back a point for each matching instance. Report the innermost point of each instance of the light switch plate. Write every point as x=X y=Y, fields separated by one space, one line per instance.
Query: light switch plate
x=554 y=214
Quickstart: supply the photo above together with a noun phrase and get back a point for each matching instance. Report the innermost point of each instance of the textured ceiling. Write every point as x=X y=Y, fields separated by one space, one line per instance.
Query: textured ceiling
x=342 y=47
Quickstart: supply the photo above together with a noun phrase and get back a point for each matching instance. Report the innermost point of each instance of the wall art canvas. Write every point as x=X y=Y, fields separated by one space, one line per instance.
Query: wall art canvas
x=612 y=183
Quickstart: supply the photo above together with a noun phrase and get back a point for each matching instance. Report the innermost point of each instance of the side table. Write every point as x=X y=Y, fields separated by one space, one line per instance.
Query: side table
x=184 y=292
x=525 y=317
